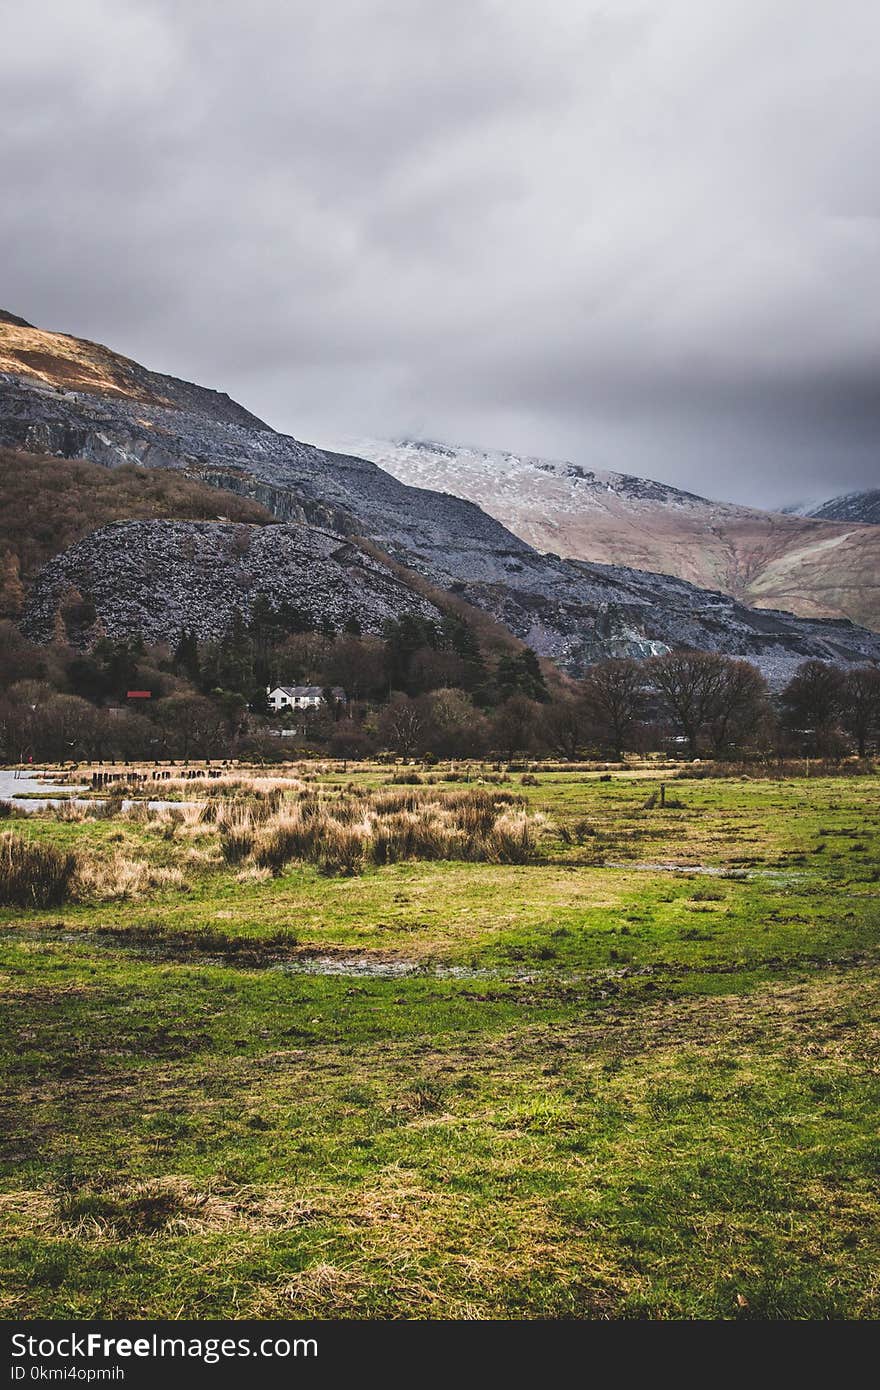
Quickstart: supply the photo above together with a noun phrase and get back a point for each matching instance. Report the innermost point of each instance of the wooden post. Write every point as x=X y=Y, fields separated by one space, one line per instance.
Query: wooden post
x=662 y=793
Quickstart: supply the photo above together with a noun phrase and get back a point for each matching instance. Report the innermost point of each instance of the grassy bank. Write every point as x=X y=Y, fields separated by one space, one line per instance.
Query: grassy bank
x=634 y=1074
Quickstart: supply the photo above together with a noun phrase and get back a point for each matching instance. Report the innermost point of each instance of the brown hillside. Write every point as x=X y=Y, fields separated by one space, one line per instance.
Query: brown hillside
x=59 y=362
x=71 y=364
x=47 y=504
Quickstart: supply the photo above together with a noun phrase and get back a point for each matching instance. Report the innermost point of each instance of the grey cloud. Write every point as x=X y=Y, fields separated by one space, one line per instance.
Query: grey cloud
x=643 y=235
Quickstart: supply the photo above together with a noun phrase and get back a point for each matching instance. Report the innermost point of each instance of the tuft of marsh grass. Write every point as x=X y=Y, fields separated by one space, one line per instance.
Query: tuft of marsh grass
x=345 y=833
x=32 y=874
x=120 y=877
x=236 y=845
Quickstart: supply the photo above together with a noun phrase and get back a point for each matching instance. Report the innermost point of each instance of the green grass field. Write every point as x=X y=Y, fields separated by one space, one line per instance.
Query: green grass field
x=638 y=1078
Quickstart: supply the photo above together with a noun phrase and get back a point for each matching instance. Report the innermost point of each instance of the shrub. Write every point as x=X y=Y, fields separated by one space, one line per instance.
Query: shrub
x=32 y=874
x=342 y=848
x=108 y=808
x=584 y=830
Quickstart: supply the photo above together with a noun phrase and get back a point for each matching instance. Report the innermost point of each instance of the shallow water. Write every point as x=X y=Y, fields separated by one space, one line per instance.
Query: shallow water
x=704 y=870
x=364 y=966
x=19 y=788
x=349 y=965
x=23 y=784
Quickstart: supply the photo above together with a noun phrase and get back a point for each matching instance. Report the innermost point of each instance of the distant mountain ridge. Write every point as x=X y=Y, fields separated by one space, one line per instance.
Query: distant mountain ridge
x=862 y=507
x=803 y=564
x=75 y=400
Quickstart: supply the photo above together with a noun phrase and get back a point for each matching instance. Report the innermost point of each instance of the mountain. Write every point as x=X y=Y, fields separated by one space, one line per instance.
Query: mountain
x=77 y=400
x=764 y=559
x=850 y=506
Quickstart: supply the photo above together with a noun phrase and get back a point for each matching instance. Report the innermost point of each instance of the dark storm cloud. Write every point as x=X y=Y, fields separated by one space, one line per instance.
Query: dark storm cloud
x=643 y=235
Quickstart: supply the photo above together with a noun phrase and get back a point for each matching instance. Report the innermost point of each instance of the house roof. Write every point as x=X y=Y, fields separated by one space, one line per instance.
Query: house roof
x=298 y=690
x=306 y=691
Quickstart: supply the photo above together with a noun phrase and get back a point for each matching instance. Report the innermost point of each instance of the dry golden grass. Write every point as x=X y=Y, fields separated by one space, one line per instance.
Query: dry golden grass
x=343 y=833
x=170 y=1205
x=33 y=874
x=103 y=879
x=70 y=363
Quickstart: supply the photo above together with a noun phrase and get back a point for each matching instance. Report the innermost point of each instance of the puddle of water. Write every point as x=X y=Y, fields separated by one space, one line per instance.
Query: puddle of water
x=359 y=967
x=705 y=870
x=349 y=965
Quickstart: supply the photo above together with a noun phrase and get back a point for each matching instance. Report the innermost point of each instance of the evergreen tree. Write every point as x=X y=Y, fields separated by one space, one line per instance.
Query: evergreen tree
x=292 y=619
x=209 y=673
x=520 y=674
x=236 y=657
x=403 y=638
x=458 y=636
x=185 y=661
x=266 y=631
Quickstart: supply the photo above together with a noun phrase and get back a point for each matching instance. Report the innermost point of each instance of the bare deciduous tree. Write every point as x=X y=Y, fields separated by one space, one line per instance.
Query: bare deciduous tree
x=739 y=701
x=563 y=726
x=613 y=694
x=860 y=705
x=515 y=725
x=812 y=703
x=401 y=725
x=455 y=728
x=690 y=685
x=193 y=725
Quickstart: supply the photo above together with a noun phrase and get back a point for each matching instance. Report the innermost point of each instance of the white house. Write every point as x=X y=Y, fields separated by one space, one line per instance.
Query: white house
x=301 y=696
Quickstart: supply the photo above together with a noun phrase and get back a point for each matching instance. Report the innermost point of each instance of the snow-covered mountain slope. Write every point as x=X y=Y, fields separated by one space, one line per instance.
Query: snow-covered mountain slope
x=812 y=565
x=850 y=506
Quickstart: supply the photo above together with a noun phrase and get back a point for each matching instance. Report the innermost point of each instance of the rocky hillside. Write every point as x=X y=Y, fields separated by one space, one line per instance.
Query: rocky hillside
x=48 y=504
x=160 y=578
x=570 y=612
x=850 y=506
x=803 y=564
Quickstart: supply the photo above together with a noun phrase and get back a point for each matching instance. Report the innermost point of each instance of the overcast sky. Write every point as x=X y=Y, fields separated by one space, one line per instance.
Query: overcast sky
x=643 y=236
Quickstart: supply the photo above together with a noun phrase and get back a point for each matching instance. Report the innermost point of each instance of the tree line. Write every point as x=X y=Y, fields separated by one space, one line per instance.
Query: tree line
x=210 y=697
x=695 y=704
x=420 y=689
